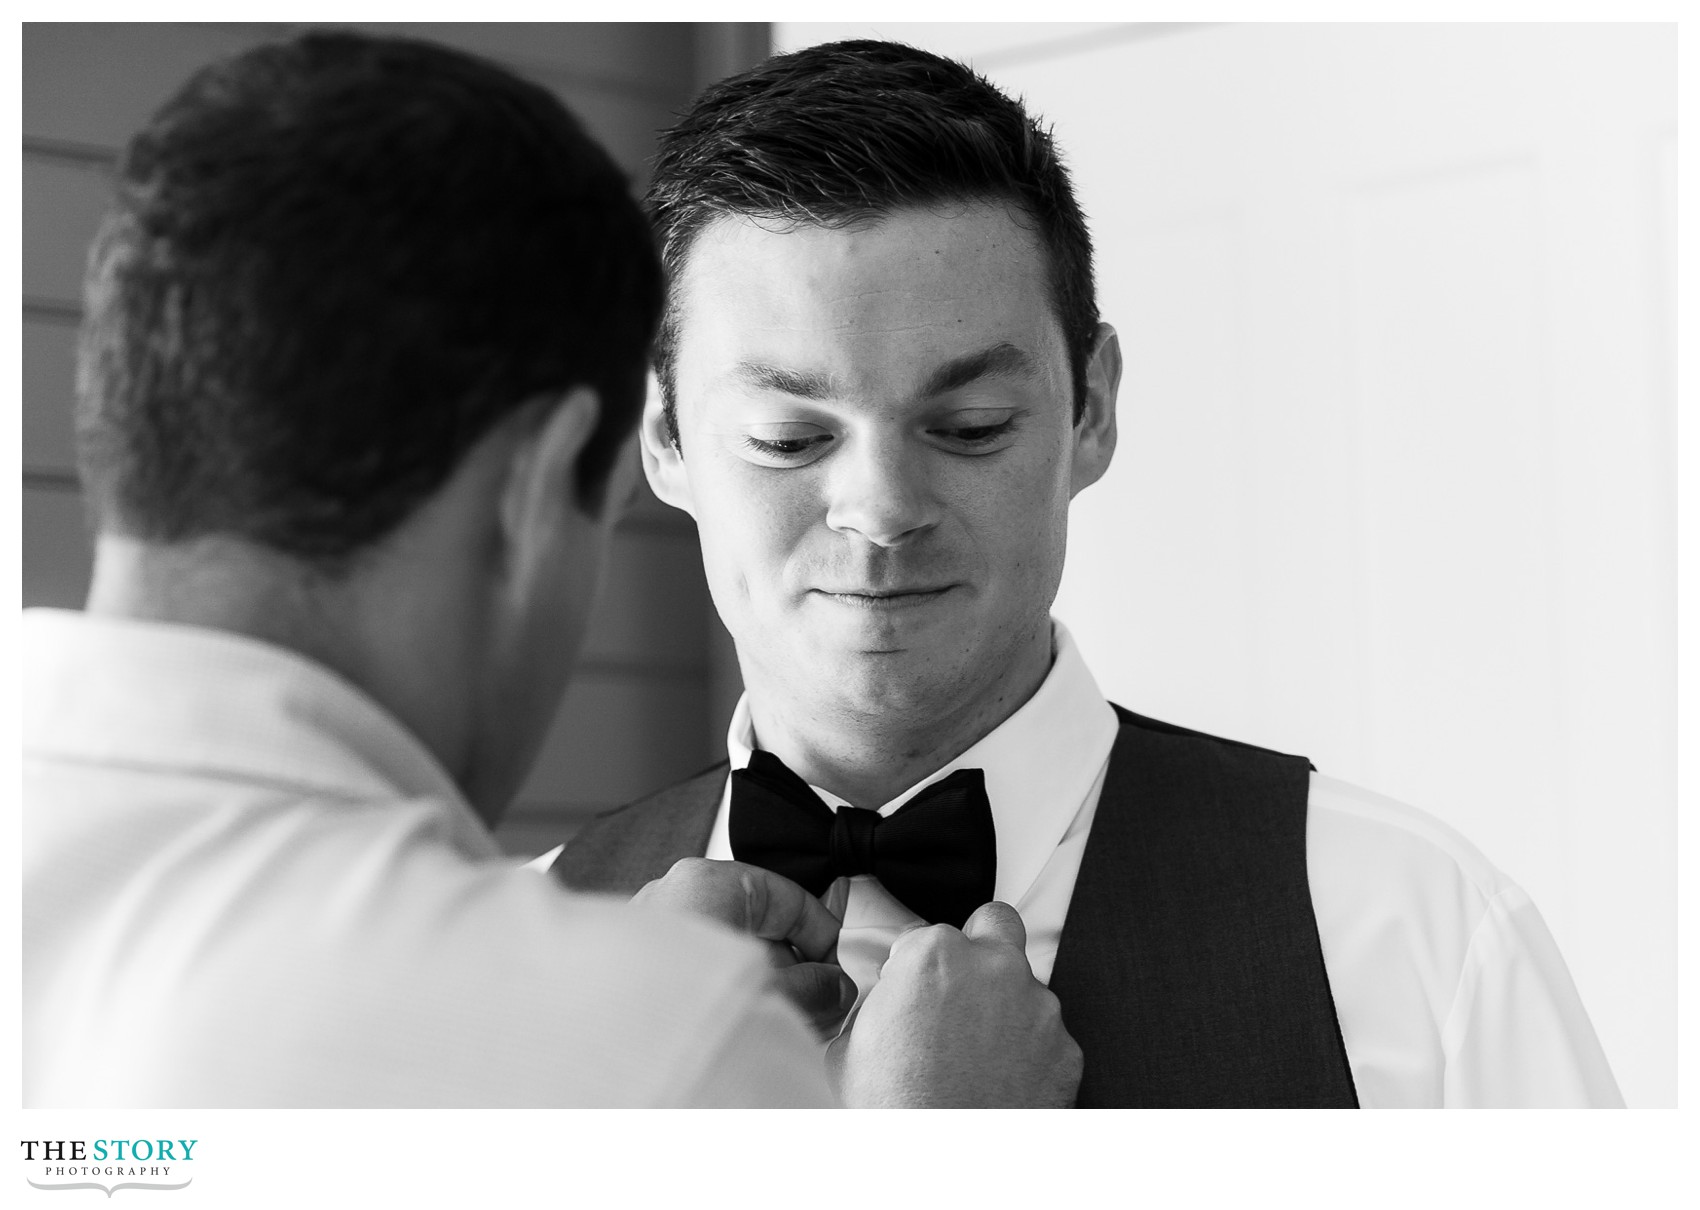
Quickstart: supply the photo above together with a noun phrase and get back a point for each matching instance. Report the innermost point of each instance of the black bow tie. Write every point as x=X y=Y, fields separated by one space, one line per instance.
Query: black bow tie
x=937 y=853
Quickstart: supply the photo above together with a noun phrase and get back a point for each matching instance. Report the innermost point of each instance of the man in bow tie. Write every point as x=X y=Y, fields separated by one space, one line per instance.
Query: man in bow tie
x=883 y=378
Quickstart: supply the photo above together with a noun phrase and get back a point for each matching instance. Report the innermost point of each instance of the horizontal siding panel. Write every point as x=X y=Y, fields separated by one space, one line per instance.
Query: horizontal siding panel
x=654 y=606
x=57 y=549
x=96 y=83
x=64 y=202
x=617 y=737
x=49 y=357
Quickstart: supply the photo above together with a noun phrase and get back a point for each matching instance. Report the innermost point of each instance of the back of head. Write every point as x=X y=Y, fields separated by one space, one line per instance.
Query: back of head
x=851 y=131
x=331 y=266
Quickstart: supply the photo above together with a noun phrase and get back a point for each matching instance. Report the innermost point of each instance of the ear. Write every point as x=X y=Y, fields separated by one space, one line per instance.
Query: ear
x=663 y=462
x=540 y=489
x=1095 y=433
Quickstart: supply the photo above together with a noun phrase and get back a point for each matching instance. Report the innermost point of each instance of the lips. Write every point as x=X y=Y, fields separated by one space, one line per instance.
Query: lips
x=885 y=598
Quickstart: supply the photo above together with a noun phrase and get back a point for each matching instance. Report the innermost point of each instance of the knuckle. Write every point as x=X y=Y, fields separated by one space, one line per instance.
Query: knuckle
x=921 y=944
x=1005 y=963
x=929 y=936
x=689 y=869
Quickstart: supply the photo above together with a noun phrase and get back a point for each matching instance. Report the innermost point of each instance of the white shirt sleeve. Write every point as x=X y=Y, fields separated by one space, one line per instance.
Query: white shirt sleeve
x=1517 y=1034
x=1449 y=988
x=770 y=1061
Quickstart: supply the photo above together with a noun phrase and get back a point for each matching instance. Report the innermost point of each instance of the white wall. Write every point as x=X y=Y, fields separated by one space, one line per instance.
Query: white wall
x=1395 y=486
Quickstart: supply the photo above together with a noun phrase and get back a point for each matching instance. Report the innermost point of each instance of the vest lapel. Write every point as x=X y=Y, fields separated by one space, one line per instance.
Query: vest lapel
x=1189 y=969
x=627 y=847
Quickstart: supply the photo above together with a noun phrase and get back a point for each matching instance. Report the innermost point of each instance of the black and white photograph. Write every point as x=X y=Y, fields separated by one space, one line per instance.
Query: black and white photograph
x=814 y=564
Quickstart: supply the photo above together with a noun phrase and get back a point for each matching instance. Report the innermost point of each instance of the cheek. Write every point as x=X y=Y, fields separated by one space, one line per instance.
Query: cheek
x=751 y=526
x=1022 y=515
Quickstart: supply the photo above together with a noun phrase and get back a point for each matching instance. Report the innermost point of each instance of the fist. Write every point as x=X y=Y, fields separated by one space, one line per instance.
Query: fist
x=957 y=1020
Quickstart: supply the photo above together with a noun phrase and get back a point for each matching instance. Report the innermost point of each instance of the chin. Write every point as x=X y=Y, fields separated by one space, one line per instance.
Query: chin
x=902 y=684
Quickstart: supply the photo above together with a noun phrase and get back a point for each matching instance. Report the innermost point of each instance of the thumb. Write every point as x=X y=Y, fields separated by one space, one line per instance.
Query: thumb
x=996 y=921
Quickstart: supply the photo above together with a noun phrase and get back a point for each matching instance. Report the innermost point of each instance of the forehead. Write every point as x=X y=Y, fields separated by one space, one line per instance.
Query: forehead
x=878 y=298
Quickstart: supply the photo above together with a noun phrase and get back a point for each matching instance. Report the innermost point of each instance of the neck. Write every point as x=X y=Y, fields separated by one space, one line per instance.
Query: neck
x=395 y=642
x=869 y=754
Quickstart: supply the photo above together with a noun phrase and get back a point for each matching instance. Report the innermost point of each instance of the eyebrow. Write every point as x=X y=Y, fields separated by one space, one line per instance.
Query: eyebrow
x=1001 y=360
x=803 y=384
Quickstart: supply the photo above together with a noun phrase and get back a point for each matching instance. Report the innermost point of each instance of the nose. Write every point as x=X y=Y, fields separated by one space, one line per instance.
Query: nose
x=881 y=490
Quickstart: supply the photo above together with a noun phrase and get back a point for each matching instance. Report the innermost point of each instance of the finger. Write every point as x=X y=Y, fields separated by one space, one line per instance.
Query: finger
x=918 y=934
x=996 y=921
x=747 y=898
x=780 y=910
x=696 y=884
x=823 y=991
x=780 y=954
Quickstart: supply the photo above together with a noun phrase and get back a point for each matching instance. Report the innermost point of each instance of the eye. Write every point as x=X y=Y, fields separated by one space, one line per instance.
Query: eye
x=980 y=432
x=786 y=450
x=975 y=437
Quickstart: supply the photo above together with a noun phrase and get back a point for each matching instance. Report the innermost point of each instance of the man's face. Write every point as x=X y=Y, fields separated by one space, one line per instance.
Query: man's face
x=876 y=426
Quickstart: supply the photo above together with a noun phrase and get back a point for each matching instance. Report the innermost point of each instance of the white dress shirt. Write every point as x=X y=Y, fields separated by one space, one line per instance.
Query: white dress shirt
x=245 y=884
x=1448 y=986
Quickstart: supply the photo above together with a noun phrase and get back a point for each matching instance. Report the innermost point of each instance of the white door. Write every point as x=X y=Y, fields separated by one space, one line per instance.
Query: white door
x=1395 y=486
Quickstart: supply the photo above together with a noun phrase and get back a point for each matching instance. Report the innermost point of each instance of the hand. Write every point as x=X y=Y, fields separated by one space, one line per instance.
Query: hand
x=958 y=1020
x=801 y=934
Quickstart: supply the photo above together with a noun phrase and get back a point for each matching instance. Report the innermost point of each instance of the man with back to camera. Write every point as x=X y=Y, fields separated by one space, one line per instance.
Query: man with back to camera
x=358 y=383
x=883 y=377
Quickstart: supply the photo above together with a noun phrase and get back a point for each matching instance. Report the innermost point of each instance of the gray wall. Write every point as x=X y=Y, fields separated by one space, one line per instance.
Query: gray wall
x=655 y=683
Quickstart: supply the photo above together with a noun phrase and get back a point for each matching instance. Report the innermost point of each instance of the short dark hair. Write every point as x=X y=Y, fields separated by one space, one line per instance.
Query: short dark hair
x=331 y=266
x=848 y=131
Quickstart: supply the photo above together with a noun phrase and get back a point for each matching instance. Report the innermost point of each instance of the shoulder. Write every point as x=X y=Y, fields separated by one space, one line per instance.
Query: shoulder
x=577 y=999
x=316 y=954
x=1401 y=900
x=573 y=999
x=1352 y=830
x=1448 y=985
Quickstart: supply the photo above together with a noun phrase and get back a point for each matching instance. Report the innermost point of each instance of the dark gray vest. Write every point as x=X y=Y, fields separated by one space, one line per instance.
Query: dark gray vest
x=1189 y=969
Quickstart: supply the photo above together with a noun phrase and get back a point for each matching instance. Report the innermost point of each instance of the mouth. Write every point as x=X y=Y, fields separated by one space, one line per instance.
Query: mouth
x=885 y=598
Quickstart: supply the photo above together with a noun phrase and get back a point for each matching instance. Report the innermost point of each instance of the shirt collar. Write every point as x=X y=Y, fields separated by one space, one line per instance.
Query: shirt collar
x=152 y=694
x=1040 y=763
